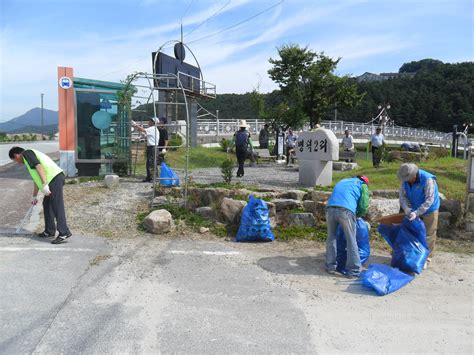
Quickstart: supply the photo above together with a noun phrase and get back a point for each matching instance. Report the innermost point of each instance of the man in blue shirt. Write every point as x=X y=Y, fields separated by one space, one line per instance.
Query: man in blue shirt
x=419 y=197
x=349 y=200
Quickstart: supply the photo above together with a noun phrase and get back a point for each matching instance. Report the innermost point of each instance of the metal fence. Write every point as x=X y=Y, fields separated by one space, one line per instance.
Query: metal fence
x=359 y=130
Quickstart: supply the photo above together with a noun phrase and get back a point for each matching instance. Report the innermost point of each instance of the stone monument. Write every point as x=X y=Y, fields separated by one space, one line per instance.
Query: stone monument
x=315 y=152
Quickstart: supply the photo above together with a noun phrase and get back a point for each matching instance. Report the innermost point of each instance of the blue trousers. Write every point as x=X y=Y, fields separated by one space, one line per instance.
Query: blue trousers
x=347 y=220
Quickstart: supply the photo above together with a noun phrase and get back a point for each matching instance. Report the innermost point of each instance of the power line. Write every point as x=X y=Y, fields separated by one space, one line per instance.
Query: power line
x=237 y=24
x=185 y=12
x=209 y=18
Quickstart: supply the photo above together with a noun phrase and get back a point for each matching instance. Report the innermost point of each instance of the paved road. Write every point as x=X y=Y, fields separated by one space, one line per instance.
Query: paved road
x=43 y=146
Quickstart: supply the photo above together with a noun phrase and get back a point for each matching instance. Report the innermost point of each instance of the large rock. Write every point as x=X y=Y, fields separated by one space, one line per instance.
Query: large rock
x=266 y=194
x=293 y=194
x=393 y=194
x=343 y=166
x=271 y=209
x=282 y=204
x=231 y=209
x=207 y=212
x=317 y=196
x=212 y=196
x=301 y=219
x=159 y=222
x=382 y=207
x=111 y=181
x=452 y=206
x=444 y=224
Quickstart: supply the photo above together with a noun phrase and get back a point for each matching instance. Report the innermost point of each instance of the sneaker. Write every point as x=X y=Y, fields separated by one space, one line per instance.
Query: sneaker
x=332 y=272
x=351 y=277
x=61 y=238
x=146 y=180
x=44 y=235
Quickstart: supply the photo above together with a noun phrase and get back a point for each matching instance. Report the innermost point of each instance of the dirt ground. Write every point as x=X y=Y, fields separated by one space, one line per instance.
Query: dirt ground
x=431 y=314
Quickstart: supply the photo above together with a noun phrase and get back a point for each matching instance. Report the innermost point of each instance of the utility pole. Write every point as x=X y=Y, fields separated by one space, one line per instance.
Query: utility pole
x=42 y=122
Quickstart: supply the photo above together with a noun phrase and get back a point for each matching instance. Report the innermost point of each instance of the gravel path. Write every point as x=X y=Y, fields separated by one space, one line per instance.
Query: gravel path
x=270 y=176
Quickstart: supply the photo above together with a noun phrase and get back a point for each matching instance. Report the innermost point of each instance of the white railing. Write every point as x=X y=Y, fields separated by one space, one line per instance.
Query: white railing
x=219 y=127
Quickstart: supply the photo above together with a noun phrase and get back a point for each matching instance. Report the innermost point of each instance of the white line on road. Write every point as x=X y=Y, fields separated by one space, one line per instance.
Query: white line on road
x=46 y=249
x=219 y=253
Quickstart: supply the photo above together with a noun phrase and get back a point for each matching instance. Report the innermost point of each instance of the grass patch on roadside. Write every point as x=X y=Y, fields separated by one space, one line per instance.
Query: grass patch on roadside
x=318 y=233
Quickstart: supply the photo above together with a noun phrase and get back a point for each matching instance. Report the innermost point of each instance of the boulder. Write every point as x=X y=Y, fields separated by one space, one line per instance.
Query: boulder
x=207 y=212
x=452 y=206
x=393 y=194
x=343 y=166
x=271 y=209
x=301 y=219
x=293 y=194
x=111 y=181
x=159 y=222
x=212 y=196
x=266 y=194
x=382 y=207
x=282 y=204
x=317 y=196
x=309 y=206
x=444 y=222
x=241 y=194
x=231 y=209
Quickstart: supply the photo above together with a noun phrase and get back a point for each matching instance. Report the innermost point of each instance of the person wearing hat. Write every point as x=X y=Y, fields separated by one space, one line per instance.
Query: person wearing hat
x=163 y=142
x=349 y=200
x=49 y=179
x=152 y=140
x=419 y=197
x=242 y=144
x=377 y=142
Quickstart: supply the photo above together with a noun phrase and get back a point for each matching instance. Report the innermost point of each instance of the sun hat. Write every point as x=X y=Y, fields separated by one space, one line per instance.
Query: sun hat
x=243 y=123
x=407 y=171
x=153 y=119
x=364 y=179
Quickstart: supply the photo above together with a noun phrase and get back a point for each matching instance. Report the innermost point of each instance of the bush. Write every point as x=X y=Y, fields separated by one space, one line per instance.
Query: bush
x=227 y=168
x=226 y=144
x=175 y=140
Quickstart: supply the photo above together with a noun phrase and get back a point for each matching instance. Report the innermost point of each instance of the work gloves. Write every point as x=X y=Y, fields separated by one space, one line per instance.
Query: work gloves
x=34 y=200
x=412 y=216
x=46 y=190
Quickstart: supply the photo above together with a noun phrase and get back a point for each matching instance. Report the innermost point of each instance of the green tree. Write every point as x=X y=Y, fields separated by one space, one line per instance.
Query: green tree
x=309 y=85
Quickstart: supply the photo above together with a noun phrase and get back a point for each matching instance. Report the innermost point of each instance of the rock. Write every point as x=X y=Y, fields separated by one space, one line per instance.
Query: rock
x=241 y=194
x=452 y=206
x=444 y=221
x=393 y=194
x=286 y=204
x=212 y=196
x=406 y=157
x=159 y=222
x=309 y=206
x=207 y=212
x=301 y=219
x=203 y=230
x=343 y=166
x=293 y=194
x=317 y=196
x=266 y=194
x=231 y=209
x=162 y=200
x=271 y=209
x=111 y=181
x=382 y=207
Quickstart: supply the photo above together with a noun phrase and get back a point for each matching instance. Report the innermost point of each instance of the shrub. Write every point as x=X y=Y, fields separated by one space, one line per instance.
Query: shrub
x=227 y=168
x=225 y=144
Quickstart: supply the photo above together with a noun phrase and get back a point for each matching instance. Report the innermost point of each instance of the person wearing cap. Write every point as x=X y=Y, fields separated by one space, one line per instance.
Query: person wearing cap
x=263 y=137
x=377 y=141
x=163 y=142
x=243 y=146
x=349 y=200
x=152 y=138
x=49 y=179
x=419 y=197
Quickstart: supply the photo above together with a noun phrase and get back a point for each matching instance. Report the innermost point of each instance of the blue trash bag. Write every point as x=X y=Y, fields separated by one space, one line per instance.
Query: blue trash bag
x=408 y=241
x=384 y=279
x=167 y=176
x=255 y=222
x=362 y=237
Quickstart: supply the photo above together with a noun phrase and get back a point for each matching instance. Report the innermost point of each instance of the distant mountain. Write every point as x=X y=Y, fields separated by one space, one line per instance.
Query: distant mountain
x=30 y=122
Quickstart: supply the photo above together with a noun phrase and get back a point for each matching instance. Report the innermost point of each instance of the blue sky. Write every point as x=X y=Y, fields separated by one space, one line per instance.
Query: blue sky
x=107 y=40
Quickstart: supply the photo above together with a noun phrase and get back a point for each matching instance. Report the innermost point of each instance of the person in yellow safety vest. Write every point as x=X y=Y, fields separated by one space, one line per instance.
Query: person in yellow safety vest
x=49 y=179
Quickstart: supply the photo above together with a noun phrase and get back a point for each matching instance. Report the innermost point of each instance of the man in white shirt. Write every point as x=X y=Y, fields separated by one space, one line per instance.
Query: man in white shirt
x=348 y=145
x=377 y=142
x=152 y=138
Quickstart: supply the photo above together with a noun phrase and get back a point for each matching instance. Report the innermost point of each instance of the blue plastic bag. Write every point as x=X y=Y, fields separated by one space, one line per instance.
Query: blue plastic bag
x=408 y=241
x=167 y=176
x=362 y=237
x=384 y=279
x=255 y=222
